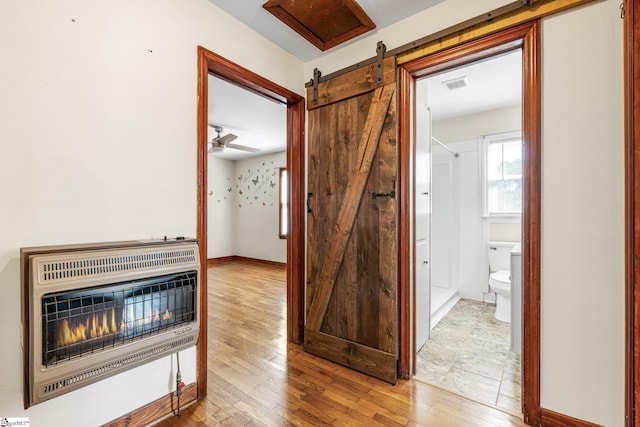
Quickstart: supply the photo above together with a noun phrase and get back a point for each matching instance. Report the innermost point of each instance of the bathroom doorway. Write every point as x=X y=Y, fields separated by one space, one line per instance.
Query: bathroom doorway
x=468 y=198
x=446 y=56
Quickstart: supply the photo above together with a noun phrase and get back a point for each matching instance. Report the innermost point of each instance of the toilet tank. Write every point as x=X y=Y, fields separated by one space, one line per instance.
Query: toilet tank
x=500 y=255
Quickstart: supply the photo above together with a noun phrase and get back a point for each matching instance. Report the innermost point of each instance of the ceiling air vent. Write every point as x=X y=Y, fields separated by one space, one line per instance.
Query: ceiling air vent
x=457 y=83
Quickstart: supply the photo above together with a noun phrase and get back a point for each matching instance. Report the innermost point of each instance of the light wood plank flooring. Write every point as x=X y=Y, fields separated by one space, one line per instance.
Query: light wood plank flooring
x=256 y=378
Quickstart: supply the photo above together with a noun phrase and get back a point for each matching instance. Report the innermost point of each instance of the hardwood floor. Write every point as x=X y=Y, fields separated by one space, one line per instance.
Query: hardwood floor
x=256 y=378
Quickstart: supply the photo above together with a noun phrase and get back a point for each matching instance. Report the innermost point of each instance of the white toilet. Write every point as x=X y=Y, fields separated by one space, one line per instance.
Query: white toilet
x=500 y=278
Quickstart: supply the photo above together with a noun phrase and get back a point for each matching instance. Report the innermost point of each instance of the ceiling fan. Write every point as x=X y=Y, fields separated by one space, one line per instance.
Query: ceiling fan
x=219 y=143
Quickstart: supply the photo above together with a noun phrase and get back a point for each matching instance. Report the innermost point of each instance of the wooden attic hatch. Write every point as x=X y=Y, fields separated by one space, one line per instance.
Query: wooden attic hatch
x=324 y=23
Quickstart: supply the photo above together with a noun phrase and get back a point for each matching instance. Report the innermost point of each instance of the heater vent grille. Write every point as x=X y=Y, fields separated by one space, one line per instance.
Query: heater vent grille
x=96 y=310
x=78 y=379
x=85 y=266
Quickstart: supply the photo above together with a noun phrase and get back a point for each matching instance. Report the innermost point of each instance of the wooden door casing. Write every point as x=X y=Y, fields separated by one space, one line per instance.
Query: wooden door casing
x=526 y=36
x=352 y=249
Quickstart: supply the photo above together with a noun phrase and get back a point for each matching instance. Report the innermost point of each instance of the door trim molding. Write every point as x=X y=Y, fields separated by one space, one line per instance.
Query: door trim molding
x=550 y=418
x=632 y=211
x=528 y=37
x=211 y=63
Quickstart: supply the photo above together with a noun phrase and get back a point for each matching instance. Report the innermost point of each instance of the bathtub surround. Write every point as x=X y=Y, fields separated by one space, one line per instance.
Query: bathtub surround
x=471 y=264
x=445 y=234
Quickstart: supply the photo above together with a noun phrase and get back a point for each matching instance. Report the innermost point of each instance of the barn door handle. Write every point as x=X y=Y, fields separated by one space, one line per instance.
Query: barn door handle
x=309 y=210
x=376 y=195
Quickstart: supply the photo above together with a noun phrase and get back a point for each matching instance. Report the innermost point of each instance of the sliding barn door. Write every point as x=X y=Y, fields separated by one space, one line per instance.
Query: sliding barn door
x=351 y=305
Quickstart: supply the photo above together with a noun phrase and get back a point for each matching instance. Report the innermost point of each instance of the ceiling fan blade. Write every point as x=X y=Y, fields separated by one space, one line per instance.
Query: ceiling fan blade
x=242 y=147
x=227 y=138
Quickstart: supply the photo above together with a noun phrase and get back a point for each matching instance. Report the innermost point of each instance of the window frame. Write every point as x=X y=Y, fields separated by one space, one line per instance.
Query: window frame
x=485 y=142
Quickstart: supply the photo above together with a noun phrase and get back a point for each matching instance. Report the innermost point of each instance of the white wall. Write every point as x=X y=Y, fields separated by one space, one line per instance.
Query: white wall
x=472 y=126
x=243 y=213
x=98 y=124
x=582 y=360
x=257 y=214
x=505 y=232
x=222 y=208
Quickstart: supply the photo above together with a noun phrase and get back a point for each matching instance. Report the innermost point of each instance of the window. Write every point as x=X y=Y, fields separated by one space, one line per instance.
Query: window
x=502 y=168
x=283 y=228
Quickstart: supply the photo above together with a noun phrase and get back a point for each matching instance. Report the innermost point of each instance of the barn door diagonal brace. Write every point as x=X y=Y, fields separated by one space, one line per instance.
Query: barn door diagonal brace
x=354 y=192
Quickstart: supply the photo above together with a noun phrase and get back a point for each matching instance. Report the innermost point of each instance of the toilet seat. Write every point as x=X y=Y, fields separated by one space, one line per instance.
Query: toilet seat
x=500 y=280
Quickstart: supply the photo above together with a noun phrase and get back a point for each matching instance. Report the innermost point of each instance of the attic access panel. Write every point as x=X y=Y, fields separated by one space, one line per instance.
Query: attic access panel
x=324 y=23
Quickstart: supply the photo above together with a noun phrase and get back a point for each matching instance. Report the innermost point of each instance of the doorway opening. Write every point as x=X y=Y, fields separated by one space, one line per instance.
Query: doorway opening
x=524 y=38
x=247 y=151
x=210 y=63
x=468 y=229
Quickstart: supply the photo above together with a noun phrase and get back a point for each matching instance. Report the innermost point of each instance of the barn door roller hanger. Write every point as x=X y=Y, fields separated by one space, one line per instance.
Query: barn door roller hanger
x=515 y=6
x=381 y=49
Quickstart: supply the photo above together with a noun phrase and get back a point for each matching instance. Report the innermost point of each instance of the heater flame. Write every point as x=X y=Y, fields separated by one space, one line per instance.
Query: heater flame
x=71 y=335
x=106 y=324
x=114 y=327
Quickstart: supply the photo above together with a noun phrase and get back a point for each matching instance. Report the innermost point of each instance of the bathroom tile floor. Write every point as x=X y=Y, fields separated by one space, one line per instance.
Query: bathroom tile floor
x=468 y=354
